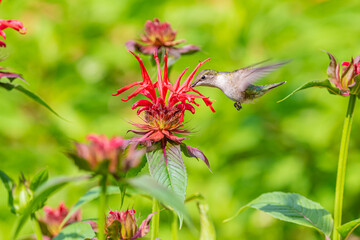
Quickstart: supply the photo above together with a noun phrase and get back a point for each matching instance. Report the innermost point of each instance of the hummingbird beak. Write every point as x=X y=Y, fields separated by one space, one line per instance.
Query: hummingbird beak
x=193 y=85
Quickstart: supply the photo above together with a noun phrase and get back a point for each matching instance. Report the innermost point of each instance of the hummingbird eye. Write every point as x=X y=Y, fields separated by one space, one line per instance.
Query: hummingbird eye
x=203 y=77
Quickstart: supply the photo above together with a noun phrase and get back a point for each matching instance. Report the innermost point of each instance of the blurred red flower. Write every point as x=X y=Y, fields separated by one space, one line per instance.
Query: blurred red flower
x=51 y=222
x=160 y=35
x=102 y=149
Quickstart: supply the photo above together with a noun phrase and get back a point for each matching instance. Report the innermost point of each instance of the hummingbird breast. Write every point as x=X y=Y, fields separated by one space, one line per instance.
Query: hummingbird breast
x=228 y=85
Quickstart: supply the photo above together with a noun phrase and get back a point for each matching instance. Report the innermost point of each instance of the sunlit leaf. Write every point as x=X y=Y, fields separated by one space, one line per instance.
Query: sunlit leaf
x=89 y=196
x=346 y=229
x=207 y=229
x=168 y=169
x=292 y=207
x=76 y=231
x=322 y=84
x=39 y=179
x=41 y=195
x=148 y=185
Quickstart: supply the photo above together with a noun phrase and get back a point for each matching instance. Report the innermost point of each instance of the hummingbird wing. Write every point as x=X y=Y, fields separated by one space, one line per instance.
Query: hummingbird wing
x=248 y=75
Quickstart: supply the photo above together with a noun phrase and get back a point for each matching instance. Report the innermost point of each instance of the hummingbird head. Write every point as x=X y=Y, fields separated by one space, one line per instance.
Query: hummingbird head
x=205 y=78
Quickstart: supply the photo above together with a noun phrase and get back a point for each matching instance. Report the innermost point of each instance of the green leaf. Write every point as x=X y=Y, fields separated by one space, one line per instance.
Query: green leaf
x=322 y=84
x=149 y=186
x=346 y=229
x=9 y=184
x=207 y=230
x=76 y=231
x=7 y=86
x=79 y=162
x=90 y=195
x=39 y=179
x=40 y=196
x=167 y=168
x=36 y=98
x=292 y=207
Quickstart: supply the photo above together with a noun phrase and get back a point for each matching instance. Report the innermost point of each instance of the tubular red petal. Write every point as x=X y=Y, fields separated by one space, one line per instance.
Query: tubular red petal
x=123 y=89
x=188 y=80
x=142 y=103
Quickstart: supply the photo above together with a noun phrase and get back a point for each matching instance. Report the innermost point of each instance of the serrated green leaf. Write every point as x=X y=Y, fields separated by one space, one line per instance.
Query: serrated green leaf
x=39 y=179
x=168 y=169
x=322 y=84
x=36 y=98
x=9 y=184
x=148 y=185
x=89 y=196
x=40 y=196
x=292 y=207
x=346 y=229
x=76 y=231
x=207 y=229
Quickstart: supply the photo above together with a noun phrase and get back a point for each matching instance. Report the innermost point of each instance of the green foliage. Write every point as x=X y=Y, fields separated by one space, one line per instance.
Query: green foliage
x=292 y=207
x=346 y=229
x=89 y=196
x=8 y=184
x=321 y=84
x=40 y=178
x=168 y=169
x=207 y=230
x=41 y=194
x=151 y=187
x=76 y=231
x=33 y=96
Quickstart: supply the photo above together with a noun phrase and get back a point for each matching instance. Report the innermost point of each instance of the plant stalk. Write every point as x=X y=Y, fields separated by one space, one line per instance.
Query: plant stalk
x=102 y=209
x=155 y=219
x=174 y=227
x=36 y=227
x=340 y=178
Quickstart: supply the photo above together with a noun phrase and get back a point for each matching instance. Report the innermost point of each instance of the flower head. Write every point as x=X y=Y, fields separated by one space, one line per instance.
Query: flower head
x=14 y=24
x=101 y=150
x=160 y=35
x=51 y=222
x=165 y=108
x=122 y=225
x=346 y=79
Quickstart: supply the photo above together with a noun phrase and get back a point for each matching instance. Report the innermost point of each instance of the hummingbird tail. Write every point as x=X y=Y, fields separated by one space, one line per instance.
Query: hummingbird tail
x=271 y=86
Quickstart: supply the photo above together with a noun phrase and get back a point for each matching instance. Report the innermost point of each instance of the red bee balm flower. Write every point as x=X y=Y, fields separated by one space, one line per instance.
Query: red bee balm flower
x=346 y=79
x=122 y=225
x=14 y=24
x=164 y=114
x=160 y=35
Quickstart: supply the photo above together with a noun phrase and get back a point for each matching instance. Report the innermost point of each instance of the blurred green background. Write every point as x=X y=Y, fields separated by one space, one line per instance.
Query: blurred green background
x=74 y=57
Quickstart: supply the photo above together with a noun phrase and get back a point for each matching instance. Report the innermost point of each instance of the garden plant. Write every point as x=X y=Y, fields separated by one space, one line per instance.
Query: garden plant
x=125 y=168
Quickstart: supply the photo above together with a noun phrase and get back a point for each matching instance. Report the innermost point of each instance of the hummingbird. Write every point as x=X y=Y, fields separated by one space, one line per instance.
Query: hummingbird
x=237 y=85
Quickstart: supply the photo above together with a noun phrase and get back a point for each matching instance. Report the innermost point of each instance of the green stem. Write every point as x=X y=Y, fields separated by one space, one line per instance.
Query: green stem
x=102 y=209
x=340 y=178
x=36 y=227
x=155 y=219
x=174 y=227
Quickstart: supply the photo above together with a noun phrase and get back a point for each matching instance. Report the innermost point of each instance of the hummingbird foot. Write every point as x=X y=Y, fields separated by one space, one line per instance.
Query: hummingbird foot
x=238 y=106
